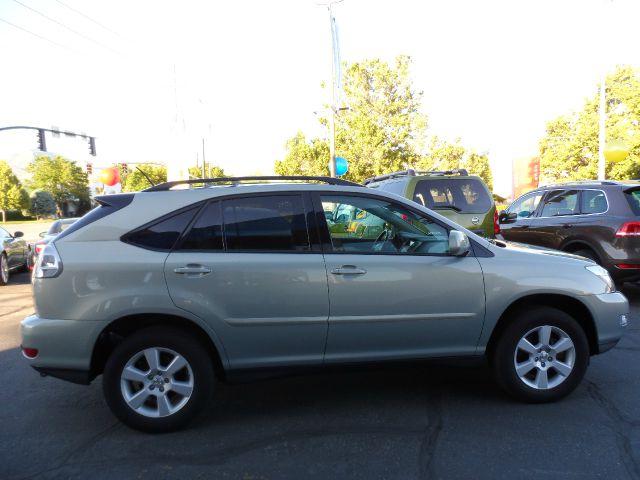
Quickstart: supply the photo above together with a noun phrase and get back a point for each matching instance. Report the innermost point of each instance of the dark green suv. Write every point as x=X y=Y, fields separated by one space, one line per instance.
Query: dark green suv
x=461 y=197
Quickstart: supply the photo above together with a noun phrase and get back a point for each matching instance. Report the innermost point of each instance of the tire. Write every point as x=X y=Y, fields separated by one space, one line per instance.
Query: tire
x=588 y=253
x=158 y=400
x=4 y=269
x=563 y=369
x=26 y=266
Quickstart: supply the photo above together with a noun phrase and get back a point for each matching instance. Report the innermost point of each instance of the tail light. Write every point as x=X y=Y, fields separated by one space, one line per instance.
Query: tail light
x=629 y=229
x=496 y=222
x=49 y=263
x=39 y=248
x=30 y=352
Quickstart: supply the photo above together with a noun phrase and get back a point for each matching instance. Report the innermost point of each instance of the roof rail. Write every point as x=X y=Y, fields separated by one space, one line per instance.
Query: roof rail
x=412 y=173
x=583 y=182
x=235 y=180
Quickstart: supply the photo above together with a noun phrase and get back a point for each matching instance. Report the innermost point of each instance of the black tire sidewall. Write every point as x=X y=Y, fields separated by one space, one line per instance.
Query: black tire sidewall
x=3 y=257
x=187 y=346
x=523 y=322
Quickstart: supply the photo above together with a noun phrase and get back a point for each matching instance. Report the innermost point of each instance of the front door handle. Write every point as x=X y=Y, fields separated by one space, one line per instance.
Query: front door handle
x=193 y=270
x=348 y=270
x=567 y=225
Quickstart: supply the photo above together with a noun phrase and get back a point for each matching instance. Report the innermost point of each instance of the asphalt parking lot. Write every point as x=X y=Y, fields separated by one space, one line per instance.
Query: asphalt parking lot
x=447 y=422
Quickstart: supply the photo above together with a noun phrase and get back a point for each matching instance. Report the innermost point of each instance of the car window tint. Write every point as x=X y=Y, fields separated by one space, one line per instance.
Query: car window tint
x=560 y=202
x=593 y=201
x=162 y=234
x=526 y=205
x=379 y=226
x=633 y=199
x=206 y=233
x=468 y=195
x=265 y=223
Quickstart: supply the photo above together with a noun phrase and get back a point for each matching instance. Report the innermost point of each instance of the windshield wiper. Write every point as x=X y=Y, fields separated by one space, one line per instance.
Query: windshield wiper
x=452 y=207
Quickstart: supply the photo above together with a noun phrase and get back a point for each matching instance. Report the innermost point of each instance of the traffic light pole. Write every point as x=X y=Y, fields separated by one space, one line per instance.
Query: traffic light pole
x=42 y=141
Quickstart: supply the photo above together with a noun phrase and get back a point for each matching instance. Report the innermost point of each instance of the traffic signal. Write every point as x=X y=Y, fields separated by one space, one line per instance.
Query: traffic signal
x=42 y=144
x=92 y=146
x=89 y=168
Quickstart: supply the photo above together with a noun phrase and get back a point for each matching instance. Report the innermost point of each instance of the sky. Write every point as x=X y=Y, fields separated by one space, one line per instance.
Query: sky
x=151 y=80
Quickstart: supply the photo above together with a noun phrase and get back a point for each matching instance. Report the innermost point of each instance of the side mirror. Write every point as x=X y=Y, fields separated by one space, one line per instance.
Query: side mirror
x=459 y=244
x=505 y=217
x=18 y=235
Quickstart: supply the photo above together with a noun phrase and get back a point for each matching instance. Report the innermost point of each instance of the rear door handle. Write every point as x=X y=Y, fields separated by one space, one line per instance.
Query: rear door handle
x=193 y=270
x=348 y=270
x=567 y=225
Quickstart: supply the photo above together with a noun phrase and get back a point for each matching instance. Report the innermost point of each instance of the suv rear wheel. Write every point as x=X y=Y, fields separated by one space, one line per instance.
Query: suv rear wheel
x=541 y=356
x=158 y=379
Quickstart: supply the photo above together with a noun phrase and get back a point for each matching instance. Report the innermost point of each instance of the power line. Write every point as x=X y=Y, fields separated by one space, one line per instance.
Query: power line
x=66 y=27
x=78 y=12
x=39 y=36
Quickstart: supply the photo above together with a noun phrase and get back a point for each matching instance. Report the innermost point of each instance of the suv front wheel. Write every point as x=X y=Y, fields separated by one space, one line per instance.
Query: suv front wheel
x=541 y=356
x=158 y=379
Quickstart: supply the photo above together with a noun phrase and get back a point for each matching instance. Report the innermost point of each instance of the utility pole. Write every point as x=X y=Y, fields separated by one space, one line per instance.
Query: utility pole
x=204 y=161
x=601 y=130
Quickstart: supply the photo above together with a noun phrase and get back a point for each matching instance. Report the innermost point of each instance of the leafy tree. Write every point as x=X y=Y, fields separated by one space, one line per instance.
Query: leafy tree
x=62 y=178
x=569 y=150
x=442 y=155
x=12 y=195
x=42 y=204
x=382 y=129
x=136 y=181
x=211 y=171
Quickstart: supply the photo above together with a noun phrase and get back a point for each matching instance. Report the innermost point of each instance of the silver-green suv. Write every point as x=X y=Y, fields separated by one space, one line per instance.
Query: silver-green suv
x=165 y=290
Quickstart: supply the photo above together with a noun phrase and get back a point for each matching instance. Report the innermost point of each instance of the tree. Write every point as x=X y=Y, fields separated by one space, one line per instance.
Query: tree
x=42 y=204
x=442 y=155
x=62 y=178
x=382 y=130
x=12 y=195
x=136 y=181
x=569 y=150
x=211 y=171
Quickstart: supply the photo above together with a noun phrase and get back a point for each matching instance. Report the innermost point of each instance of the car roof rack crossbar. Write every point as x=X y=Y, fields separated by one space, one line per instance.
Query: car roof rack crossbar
x=236 y=180
x=412 y=173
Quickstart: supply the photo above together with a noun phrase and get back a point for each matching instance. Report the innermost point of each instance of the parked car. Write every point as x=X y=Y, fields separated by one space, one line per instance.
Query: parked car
x=14 y=254
x=461 y=197
x=598 y=220
x=193 y=285
x=45 y=237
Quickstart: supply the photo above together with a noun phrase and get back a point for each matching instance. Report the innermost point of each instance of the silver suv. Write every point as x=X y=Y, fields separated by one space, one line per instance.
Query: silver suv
x=165 y=290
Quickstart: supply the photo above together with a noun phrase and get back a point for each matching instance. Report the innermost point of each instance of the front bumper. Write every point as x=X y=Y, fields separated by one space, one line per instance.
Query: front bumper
x=610 y=313
x=64 y=347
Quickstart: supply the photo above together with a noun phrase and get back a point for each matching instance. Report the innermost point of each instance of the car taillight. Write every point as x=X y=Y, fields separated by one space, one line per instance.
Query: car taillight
x=30 y=352
x=496 y=222
x=629 y=229
x=627 y=266
x=39 y=248
x=49 y=263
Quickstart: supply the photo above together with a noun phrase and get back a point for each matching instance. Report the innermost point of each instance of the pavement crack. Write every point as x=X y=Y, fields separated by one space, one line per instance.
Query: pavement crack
x=429 y=444
x=622 y=427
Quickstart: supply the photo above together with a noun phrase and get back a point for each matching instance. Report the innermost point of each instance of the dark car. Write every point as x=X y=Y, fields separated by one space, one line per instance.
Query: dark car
x=461 y=197
x=56 y=227
x=599 y=220
x=14 y=254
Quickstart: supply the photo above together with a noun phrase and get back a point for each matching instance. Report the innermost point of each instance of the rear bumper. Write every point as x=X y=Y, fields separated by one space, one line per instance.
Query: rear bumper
x=65 y=347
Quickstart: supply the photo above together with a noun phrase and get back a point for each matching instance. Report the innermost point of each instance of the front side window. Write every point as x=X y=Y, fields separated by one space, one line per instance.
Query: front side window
x=379 y=226
x=560 y=203
x=526 y=205
x=265 y=223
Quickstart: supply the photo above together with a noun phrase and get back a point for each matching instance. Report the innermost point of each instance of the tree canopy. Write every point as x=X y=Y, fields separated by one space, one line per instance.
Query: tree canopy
x=135 y=181
x=569 y=150
x=12 y=195
x=62 y=178
x=382 y=130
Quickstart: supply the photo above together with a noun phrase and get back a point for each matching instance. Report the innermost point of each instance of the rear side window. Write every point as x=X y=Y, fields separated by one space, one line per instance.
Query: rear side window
x=206 y=233
x=466 y=195
x=633 y=198
x=392 y=186
x=593 y=201
x=265 y=223
x=163 y=233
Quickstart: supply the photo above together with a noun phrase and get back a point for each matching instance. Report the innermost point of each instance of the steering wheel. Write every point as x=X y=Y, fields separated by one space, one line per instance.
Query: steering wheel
x=385 y=235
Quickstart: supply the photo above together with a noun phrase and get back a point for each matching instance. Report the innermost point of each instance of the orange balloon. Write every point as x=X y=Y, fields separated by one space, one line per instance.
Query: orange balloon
x=110 y=176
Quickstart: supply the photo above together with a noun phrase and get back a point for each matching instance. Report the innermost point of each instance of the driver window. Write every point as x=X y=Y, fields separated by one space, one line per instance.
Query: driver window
x=526 y=205
x=379 y=226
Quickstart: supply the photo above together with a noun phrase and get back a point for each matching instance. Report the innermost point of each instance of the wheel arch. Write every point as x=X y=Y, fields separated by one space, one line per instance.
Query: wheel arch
x=569 y=305
x=576 y=245
x=122 y=327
